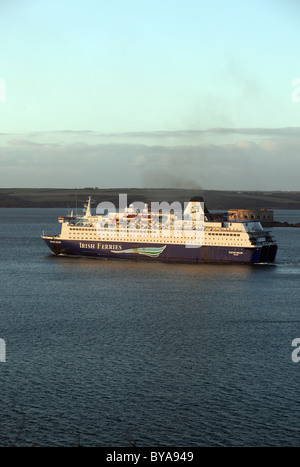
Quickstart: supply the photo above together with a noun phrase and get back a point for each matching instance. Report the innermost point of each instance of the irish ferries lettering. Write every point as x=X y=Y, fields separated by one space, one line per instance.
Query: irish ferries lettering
x=108 y=246
x=99 y=246
x=91 y=246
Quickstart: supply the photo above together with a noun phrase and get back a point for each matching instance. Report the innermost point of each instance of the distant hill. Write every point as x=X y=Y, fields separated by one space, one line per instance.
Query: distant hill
x=214 y=199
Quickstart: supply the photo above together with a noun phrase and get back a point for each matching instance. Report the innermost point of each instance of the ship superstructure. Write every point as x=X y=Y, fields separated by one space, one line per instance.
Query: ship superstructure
x=144 y=234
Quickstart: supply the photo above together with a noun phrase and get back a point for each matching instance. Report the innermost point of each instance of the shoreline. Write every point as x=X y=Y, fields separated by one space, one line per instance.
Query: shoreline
x=215 y=200
x=279 y=224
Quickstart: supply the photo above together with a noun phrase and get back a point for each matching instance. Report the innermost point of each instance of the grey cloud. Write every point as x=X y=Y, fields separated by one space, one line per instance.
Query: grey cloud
x=271 y=162
x=176 y=135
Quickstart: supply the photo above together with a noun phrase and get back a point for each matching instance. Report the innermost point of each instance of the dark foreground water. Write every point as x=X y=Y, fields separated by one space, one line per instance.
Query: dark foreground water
x=119 y=352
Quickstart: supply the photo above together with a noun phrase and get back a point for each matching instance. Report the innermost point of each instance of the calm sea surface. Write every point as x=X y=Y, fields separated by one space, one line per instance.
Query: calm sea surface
x=119 y=352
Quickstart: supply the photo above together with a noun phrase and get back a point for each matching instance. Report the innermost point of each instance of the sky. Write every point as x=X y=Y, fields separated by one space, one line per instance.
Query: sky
x=161 y=93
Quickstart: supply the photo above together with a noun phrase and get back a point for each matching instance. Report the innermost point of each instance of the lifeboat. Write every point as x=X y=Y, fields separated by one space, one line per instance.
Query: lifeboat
x=129 y=217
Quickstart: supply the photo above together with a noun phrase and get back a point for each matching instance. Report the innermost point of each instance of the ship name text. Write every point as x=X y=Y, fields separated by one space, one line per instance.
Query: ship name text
x=100 y=246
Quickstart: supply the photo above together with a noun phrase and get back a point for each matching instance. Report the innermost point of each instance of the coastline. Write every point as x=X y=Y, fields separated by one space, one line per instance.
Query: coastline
x=214 y=199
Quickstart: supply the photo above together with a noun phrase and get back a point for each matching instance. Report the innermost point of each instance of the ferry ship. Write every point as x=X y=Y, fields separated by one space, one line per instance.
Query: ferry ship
x=157 y=236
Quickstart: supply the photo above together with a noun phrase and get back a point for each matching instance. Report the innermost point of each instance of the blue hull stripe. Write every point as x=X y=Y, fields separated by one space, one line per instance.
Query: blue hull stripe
x=163 y=252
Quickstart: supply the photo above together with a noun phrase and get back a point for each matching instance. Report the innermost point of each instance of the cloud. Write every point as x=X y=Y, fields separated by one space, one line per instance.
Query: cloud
x=252 y=159
x=179 y=134
x=22 y=143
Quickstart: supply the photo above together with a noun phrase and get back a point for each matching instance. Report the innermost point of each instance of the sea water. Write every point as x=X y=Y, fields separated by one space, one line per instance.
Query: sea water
x=120 y=353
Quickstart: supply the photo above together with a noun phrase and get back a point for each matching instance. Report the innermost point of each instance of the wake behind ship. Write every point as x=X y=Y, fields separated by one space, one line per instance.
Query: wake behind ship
x=142 y=234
